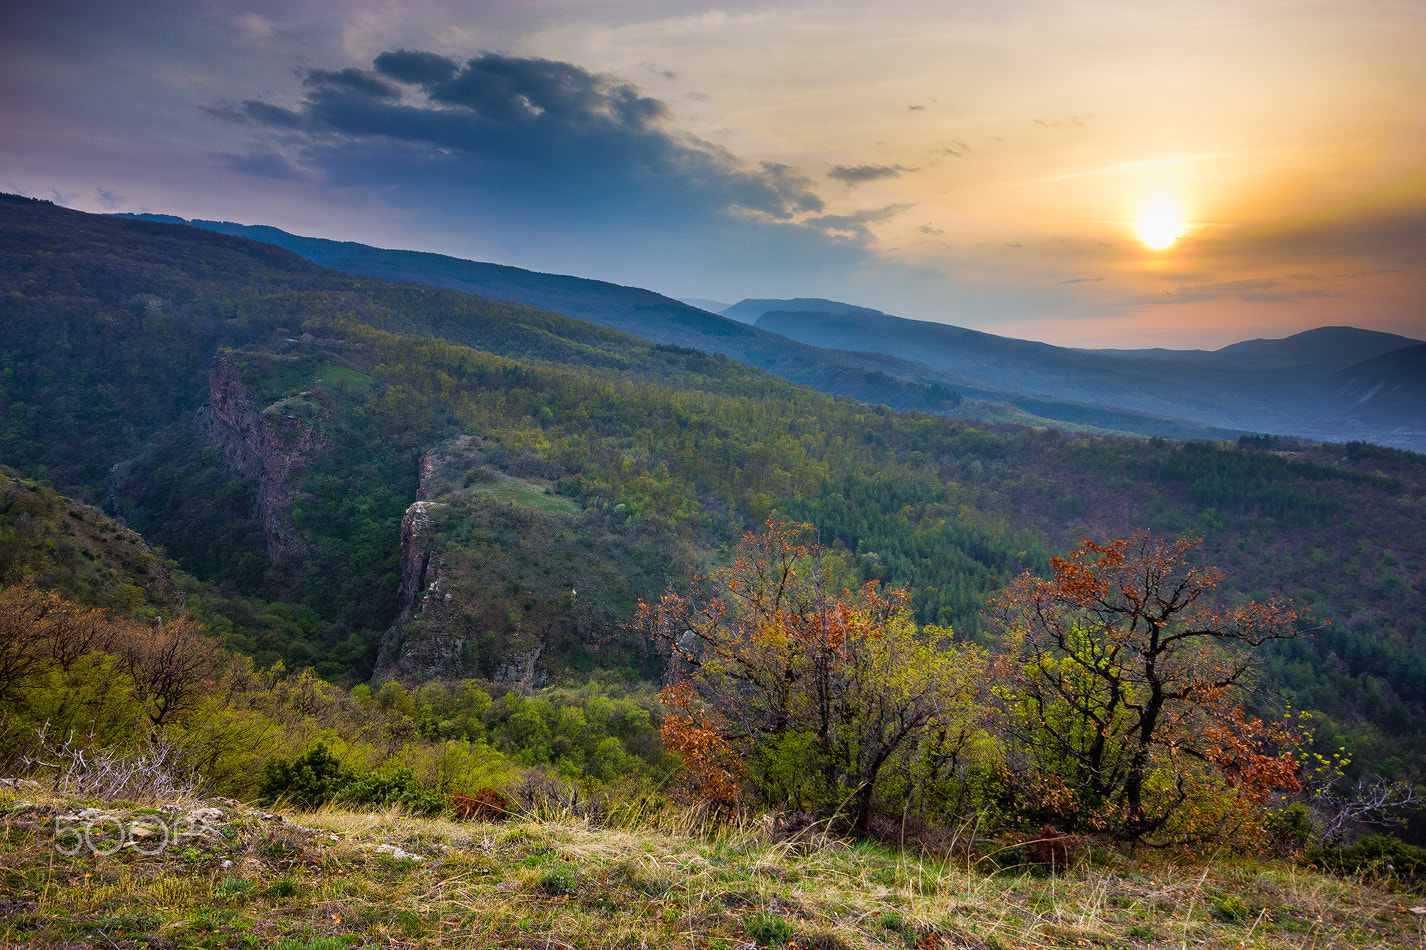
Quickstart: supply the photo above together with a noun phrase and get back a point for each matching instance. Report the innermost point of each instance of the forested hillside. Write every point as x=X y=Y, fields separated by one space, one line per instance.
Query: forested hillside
x=264 y=421
x=862 y=372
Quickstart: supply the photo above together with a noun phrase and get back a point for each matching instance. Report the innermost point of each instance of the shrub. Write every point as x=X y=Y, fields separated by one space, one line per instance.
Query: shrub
x=767 y=930
x=309 y=780
x=487 y=804
x=1291 y=827
x=1052 y=849
x=1375 y=855
x=317 y=777
x=395 y=787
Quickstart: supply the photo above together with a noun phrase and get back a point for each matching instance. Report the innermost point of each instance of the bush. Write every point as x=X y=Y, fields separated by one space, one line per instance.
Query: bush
x=395 y=787
x=1291 y=828
x=309 y=780
x=1375 y=856
x=487 y=804
x=767 y=930
x=1052 y=849
x=317 y=777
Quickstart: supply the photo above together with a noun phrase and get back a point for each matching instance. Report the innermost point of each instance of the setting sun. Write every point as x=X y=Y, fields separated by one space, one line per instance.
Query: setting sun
x=1160 y=223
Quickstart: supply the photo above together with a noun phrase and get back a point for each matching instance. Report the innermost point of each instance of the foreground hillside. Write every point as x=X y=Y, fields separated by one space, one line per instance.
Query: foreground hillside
x=183 y=872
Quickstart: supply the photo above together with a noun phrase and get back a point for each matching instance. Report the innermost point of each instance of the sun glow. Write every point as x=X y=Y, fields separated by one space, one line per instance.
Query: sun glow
x=1159 y=224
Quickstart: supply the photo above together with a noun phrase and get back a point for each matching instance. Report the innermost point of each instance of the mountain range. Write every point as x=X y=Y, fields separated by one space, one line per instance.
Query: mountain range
x=1320 y=384
x=377 y=478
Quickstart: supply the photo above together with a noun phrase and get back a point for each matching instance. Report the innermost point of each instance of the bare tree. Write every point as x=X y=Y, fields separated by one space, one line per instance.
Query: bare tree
x=1373 y=800
x=173 y=665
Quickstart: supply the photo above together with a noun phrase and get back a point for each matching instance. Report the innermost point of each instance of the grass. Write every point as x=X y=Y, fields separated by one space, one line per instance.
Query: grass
x=532 y=493
x=314 y=880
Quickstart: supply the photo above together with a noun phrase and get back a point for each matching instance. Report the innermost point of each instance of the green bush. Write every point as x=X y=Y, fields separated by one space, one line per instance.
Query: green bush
x=311 y=779
x=1375 y=855
x=767 y=930
x=317 y=777
x=395 y=787
x=1291 y=828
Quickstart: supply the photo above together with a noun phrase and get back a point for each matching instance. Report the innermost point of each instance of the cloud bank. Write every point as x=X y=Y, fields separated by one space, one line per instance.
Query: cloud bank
x=513 y=130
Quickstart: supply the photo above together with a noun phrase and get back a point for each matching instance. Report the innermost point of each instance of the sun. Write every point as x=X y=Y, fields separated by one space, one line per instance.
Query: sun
x=1159 y=224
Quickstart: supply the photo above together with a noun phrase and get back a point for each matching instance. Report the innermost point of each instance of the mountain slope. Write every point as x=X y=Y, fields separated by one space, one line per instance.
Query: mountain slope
x=1338 y=347
x=856 y=371
x=1385 y=393
x=134 y=368
x=1259 y=385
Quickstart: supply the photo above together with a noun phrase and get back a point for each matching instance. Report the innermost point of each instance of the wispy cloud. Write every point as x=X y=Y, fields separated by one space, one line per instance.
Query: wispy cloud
x=856 y=225
x=1073 y=122
x=1121 y=167
x=1257 y=290
x=854 y=175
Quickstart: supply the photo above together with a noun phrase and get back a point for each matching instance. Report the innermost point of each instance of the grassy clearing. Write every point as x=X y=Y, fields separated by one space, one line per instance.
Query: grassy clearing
x=316 y=880
x=532 y=493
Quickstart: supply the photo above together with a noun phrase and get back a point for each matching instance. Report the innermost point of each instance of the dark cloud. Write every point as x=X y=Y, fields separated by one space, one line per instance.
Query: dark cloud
x=928 y=229
x=507 y=89
x=108 y=199
x=271 y=165
x=1082 y=280
x=955 y=149
x=915 y=108
x=859 y=174
x=359 y=81
x=416 y=66
x=260 y=113
x=506 y=129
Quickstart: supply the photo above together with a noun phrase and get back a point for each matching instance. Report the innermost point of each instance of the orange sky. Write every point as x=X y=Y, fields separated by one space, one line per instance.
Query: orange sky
x=979 y=164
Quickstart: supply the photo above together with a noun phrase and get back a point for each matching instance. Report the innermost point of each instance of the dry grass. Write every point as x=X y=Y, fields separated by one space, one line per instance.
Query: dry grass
x=315 y=881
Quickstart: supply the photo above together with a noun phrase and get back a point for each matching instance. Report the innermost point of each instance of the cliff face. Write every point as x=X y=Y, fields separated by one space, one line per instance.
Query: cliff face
x=437 y=633
x=268 y=446
x=428 y=639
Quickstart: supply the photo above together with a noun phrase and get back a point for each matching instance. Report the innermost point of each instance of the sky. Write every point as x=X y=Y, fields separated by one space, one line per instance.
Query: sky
x=1097 y=173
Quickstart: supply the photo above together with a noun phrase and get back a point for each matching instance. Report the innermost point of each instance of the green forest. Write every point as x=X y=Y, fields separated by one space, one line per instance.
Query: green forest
x=575 y=473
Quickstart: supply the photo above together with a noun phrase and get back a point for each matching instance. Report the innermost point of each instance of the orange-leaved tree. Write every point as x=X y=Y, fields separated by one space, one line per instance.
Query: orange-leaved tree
x=786 y=685
x=1122 y=688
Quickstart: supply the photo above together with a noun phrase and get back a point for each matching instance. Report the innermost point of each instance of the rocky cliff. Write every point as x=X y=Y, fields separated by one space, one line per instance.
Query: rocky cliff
x=443 y=612
x=268 y=446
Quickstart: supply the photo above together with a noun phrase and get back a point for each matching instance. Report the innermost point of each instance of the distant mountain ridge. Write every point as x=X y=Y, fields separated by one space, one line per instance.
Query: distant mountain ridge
x=866 y=375
x=1276 y=387
x=1324 y=346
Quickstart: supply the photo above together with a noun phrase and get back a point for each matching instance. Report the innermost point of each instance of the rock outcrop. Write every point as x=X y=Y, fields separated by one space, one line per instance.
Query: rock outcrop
x=436 y=633
x=428 y=639
x=268 y=446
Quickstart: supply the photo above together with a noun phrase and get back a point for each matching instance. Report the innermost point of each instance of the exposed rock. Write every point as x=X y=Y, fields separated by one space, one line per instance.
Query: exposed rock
x=441 y=612
x=18 y=783
x=418 y=546
x=522 y=668
x=438 y=644
x=267 y=446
